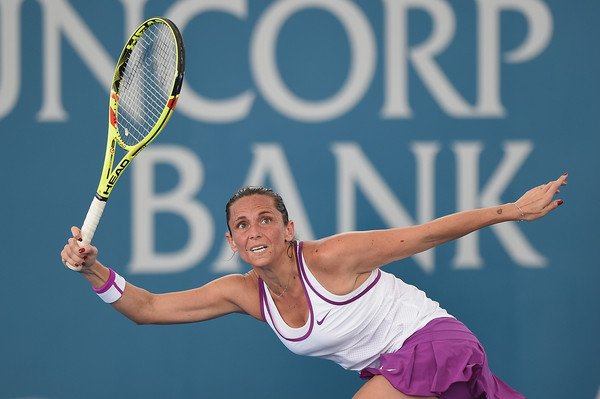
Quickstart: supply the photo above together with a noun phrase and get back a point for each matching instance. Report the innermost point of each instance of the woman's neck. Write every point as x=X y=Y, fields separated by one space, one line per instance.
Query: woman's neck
x=278 y=278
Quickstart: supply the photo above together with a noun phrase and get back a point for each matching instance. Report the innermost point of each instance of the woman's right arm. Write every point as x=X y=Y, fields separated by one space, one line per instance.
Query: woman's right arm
x=234 y=293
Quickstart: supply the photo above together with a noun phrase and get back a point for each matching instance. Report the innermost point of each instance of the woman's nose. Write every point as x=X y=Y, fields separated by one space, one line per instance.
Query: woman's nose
x=254 y=231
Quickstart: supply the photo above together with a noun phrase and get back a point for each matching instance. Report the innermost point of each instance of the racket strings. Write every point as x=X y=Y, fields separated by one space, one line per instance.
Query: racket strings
x=146 y=83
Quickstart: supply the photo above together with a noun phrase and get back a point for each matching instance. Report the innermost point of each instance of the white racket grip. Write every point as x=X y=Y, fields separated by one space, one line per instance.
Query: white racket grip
x=89 y=226
x=91 y=221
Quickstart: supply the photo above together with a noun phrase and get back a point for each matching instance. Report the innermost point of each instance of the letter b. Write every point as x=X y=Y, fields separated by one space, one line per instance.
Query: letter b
x=146 y=203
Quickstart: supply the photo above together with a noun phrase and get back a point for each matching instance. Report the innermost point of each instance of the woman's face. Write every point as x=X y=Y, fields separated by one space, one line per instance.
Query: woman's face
x=258 y=232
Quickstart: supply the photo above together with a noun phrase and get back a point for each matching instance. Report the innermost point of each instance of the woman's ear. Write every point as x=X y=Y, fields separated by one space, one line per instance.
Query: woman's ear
x=231 y=243
x=289 y=231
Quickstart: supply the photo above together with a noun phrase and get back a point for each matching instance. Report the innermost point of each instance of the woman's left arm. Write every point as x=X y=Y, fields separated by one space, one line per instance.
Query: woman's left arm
x=533 y=205
x=364 y=251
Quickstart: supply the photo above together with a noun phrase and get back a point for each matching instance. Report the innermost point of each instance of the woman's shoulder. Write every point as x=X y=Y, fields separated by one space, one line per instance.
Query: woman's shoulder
x=313 y=251
x=246 y=282
x=331 y=249
x=329 y=263
x=242 y=289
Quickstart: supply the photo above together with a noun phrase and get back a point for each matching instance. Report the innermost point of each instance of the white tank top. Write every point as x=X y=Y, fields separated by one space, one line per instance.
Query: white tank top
x=353 y=330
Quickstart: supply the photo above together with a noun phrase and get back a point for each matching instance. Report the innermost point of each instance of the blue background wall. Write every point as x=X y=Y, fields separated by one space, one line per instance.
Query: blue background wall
x=503 y=98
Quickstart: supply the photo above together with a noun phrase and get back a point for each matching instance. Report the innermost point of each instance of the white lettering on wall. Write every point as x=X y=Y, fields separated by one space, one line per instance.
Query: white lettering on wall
x=146 y=203
x=268 y=78
x=422 y=57
x=10 y=57
x=61 y=18
x=354 y=172
x=194 y=105
x=540 y=26
x=61 y=21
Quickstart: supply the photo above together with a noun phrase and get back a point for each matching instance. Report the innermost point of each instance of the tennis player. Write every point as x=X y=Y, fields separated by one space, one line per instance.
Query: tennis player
x=330 y=299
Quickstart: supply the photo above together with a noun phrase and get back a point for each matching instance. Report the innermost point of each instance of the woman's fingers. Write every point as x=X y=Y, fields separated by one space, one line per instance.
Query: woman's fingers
x=554 y=186
x=538 y=201
x=69 y=255
x=72 y=253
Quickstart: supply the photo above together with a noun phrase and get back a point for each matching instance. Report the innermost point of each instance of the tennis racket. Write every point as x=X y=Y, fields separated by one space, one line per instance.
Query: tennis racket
x=144 y=91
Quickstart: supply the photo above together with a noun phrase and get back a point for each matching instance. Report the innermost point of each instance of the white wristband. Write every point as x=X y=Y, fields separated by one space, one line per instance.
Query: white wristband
x=112 y=290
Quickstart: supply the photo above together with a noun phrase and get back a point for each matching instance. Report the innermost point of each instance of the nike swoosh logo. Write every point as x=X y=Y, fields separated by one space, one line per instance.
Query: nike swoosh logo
x=319 y=322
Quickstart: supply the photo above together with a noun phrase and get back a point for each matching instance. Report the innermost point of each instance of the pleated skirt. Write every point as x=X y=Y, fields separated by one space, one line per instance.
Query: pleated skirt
x=443 y=359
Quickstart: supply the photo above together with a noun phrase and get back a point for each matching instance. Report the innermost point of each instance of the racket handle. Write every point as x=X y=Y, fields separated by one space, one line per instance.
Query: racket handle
x=91 y=221
x=89 y=226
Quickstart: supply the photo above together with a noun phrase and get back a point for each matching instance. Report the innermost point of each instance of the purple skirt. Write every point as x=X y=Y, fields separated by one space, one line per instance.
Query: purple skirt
x=443 y=359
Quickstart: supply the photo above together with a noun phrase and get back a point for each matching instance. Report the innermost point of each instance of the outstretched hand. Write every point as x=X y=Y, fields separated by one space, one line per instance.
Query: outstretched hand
x=538 y=201
x=78 y=256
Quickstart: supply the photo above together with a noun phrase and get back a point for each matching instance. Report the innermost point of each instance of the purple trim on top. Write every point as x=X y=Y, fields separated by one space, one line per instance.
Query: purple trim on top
x=109 y=283
x=343 y=302
x=261 y=295
x=310 y=309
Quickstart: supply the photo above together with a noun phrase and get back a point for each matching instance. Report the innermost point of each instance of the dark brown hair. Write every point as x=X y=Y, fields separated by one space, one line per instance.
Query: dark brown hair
x=254 y=190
